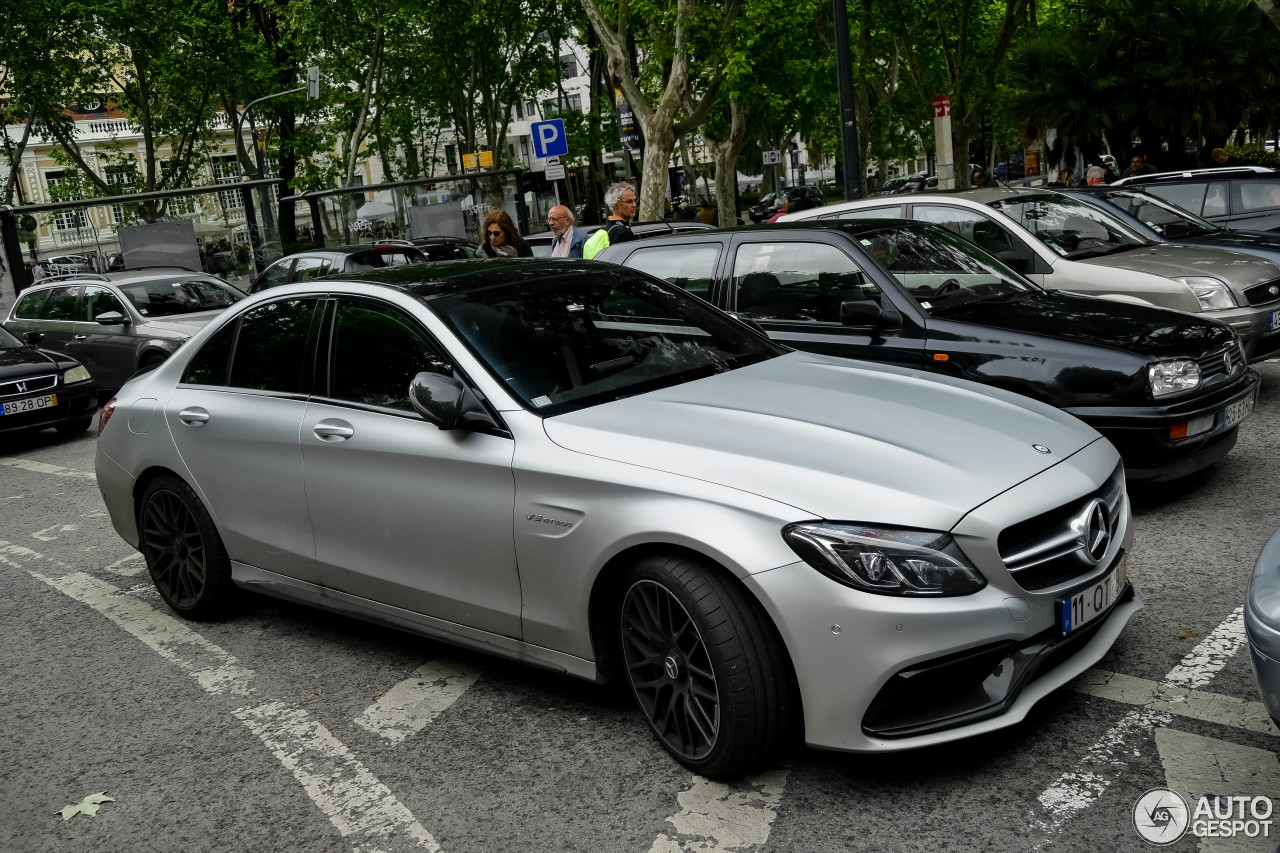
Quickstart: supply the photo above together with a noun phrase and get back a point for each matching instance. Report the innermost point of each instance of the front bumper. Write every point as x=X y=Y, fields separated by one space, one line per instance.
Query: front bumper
x=1262 y=624
x=1143 y=439
x=76 y=401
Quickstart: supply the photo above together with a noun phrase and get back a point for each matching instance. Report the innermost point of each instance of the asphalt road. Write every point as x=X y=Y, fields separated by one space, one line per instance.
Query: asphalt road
x=289 y=729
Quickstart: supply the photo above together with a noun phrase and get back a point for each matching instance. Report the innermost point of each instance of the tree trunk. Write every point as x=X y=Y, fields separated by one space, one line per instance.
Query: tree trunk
x=659 y=142
x=725 y=151
x=287 y=218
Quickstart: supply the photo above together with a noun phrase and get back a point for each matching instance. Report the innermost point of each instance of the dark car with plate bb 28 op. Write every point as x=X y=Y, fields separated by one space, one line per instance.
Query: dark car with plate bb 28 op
x=1168 y=389
x=41 y=389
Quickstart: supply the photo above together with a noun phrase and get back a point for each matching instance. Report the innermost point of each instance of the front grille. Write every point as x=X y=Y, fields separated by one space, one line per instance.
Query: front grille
x=1041 y=552
x=1214 y=365
x=27 y=386
x=1261 y=294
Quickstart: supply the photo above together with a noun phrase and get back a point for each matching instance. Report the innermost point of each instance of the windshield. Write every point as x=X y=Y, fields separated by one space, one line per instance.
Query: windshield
x=1161 y=216
x=167 y=297
x=1071 y=228
x=565 y=344
x=940 y=269
x=8 y=341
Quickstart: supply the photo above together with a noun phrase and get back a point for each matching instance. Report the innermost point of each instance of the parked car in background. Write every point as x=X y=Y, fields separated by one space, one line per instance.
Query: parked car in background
x=1262 y=625
x=66 y=264
x=890 y=186
x=1165 y=222
x=1065 y=243
x=1168 y=389
x=118 y=323
x=40 y=388
x=581 y=467
x=443 y=248
x=800 y=198
x=1244 y=197
x=313 y=263
x=543 y=242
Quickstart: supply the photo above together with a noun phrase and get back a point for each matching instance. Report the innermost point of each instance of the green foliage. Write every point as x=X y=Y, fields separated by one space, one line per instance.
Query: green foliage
x=1254 y=155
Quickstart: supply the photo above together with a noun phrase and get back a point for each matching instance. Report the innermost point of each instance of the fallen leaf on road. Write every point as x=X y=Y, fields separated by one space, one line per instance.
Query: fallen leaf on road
x=1187 y=634
x=88 y=806
x=319 y=690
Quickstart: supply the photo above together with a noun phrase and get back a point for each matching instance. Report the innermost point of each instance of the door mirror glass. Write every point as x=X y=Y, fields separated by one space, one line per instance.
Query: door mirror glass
x=867 y=313
x=111 y=318
x=438 y=398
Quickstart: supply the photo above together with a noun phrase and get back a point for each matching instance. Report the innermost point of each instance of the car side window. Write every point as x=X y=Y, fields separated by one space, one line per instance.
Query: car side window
x=1215 y=199
x=797 y=281
x=274 y=275
x=308 y=268
x=98 y=301
x=1186 y=196
x=891 y=212
x=1258 y=195
x=212 y=362
x=271 y=351
x=691 y=266
x=972 y=226
x=61 y=304
x=377 y=349
x=28 y=307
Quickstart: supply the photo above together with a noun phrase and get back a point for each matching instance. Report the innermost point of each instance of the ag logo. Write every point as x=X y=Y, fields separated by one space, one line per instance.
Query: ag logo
x=1161 y=816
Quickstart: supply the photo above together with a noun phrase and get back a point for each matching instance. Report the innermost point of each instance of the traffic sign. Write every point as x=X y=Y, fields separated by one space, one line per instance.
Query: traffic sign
x=772 y=158
x=470 y=161
x=549 y=139
x=486 y=159
x=555 y=172
x=941 y=106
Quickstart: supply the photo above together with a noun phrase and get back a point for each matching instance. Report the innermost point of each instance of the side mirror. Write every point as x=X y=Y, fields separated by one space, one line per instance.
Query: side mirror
x=33 y=338
x=1018 y=263
x=749 y=321
x=111 y=318
x=438 y=398
x=864 y=313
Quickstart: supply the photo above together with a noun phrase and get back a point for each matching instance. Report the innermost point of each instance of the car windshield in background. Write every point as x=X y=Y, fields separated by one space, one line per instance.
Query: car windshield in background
x=941 y=269
x=1071 y=228
x=583 y=340
x=167 y=297
x=1161 y=216
x=8 y=341
x=376 y=259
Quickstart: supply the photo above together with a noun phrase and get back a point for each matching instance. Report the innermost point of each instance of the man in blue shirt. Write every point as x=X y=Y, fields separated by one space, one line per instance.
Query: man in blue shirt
x=569 y=237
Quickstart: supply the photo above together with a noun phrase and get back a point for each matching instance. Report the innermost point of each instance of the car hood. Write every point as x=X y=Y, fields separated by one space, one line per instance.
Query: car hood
x=1173 y=260
x=835 y=438
x=1152 y=333
x=183 y=324
x=25 y=361
x=1226 y=239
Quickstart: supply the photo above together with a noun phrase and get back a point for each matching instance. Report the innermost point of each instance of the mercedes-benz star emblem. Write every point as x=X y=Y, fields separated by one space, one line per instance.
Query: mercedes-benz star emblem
x=1092 y=532
x=1039 y=448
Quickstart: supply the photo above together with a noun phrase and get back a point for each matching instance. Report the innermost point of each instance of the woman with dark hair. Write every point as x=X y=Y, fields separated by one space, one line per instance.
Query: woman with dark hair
x=501 y=239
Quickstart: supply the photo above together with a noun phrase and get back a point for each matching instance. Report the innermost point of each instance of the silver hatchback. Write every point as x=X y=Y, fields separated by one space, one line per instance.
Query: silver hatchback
x=581 y=467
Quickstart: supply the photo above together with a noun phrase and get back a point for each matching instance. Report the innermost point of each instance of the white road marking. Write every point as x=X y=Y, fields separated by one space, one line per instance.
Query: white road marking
x=719 y=816
x=1076 y=790
x=45 y=468
x=1196 y=704
x=358 y=805
x=1195 y=766
x=60 y=528
x=127 y=566
x=412 y=704
x=355 y=801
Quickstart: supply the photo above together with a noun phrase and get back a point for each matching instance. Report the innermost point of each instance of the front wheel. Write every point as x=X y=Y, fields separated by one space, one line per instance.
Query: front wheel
x=183 y=550
x=705 y=667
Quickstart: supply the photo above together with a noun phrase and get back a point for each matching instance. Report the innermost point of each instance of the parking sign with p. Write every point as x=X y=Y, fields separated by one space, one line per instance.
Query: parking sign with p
x=549 y=139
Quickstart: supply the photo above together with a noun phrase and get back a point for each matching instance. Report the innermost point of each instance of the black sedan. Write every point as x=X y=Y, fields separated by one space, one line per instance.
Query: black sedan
x=313 y=263
x=1168 y=389
x=41 y=389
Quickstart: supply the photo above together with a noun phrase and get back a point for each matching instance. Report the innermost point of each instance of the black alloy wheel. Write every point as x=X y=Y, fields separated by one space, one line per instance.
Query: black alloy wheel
x=705 y=665
x=183 y=550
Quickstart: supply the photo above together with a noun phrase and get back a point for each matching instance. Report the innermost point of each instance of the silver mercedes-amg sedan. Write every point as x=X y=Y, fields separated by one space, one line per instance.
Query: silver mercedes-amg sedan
x=581 y=467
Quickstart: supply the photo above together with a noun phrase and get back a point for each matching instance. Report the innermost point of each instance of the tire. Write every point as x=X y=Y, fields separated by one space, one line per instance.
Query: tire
x=184 y=553
x=151 y=362
x=74 y=427
x=705 y=666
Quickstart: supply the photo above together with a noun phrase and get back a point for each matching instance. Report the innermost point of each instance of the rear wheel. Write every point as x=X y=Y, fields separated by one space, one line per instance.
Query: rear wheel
x=705 y=668
x=183 y=550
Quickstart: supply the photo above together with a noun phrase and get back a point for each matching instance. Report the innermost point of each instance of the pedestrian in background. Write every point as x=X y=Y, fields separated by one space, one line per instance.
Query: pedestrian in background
x=37 y=272
x=1220 y=157
x=980 y=179
x=621 y=201
x=1095 y=175
x=569 y=237
x=1138 y=165
x=501 y=239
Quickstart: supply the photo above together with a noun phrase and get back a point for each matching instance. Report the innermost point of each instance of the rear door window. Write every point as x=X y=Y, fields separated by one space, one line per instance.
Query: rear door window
x=60 y=304
x=1254 y=196
x=28 y=307
x=1186 y=196
x=690 y=266
x=797 y=281
x=974 y=227
x=272 y=350
x=308 y=268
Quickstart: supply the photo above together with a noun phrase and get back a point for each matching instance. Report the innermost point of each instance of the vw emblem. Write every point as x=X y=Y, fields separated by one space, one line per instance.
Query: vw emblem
x=1226 y=362
x=1092 y=532
x=22 y=387
x=1039 y=448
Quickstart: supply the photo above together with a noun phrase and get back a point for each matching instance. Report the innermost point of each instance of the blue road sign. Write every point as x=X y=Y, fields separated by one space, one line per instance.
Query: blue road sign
x=549 y=139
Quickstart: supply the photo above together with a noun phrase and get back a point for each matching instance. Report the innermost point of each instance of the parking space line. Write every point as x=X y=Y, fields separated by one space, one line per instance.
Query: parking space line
x=1195 y=704
x=1076 y=790
x=59 y=528
x=355 y=801
x=721 y=816
x=412 y=704
x=45 y=468
x=127 y=566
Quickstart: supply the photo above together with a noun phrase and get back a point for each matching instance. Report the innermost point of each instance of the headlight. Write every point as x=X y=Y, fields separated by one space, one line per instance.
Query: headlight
x=75 y=374
x=1173 y=377
x=884 y=560
x=1213 y=294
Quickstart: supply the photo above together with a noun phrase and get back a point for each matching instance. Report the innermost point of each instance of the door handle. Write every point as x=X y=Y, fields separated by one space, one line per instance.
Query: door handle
x=80 y=337
x=194 y=416
x=333 y=431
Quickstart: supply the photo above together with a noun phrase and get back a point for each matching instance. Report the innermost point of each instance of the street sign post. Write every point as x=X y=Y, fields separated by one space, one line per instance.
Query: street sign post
x=470 y=161
x=942 y=134
x=555 y=172
x=486 y=159
x=772 y=158
x=313 y=82
x=549 y=139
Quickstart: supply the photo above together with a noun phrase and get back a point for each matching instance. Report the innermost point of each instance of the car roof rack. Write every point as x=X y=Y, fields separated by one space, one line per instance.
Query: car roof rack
x=158 y=267
x=63 y=276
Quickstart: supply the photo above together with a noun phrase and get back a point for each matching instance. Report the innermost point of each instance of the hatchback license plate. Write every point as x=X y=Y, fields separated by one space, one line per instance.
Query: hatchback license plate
x=30 y=404
x=1093 y=601
x=1275 y=320
x=1236 y=412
